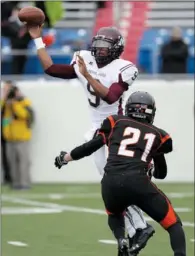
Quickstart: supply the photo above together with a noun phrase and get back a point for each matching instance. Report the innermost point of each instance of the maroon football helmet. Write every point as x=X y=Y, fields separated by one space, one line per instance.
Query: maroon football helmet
x=107 y=45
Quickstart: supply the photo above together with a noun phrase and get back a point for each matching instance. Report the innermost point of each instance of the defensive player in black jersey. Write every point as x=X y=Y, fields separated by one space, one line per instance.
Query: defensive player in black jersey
x=133 y=142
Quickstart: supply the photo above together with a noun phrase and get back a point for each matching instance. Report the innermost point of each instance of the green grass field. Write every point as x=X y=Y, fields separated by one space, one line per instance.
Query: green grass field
x=69 y=220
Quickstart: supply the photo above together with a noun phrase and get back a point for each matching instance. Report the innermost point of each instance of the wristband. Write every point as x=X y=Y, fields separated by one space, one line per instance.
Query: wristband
x=39 y=43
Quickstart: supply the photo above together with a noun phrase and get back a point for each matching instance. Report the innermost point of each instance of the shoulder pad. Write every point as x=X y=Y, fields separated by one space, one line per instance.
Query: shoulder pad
x=129 y=73
x=166 y=143
x=163 y=134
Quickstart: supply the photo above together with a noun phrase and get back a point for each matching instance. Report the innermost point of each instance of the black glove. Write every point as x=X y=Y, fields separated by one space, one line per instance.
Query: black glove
x=59 y=160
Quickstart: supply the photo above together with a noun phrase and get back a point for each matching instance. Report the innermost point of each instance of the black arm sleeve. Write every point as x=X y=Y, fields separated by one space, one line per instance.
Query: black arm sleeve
x=87 y=148
x=160 y=166
x=166 y=143
x=106 y=128
x=166 y=147
x=93 y=145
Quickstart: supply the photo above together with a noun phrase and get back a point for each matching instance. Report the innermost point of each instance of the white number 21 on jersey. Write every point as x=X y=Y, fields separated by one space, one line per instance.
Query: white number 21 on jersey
x=135 y=133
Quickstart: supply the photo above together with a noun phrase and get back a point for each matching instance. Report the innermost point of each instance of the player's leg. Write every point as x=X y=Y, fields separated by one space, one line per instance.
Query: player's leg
x=129 y=227
x=117 y=226
x=143 y=231
x=158 y=207
x=111 y=194
x=137 y=217
x=139 y=231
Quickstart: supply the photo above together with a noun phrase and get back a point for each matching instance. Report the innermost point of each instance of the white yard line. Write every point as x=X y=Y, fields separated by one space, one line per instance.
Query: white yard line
x=188 y=224
x=59 y=196
x=62 y=208
x=107 y=241
x=180 y=195
x=184 y=209
x=17 y=243
x=26 y=210
x=53 y=205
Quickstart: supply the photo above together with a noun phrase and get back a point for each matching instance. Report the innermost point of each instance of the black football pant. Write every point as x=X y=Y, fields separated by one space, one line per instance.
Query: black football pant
x=122 y=190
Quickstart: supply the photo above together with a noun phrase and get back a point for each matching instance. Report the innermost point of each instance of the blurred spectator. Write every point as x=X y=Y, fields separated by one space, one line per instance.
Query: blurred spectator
x=174 y=54
x=6 y=9
x=12 y=28
x=17 y=122
x=101 y=4
x=53 y=11
x=4 y=161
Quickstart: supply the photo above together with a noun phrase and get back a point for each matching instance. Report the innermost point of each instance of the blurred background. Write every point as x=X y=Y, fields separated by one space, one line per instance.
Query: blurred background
x=70 y=25
x=46 y=210
x=159 y=39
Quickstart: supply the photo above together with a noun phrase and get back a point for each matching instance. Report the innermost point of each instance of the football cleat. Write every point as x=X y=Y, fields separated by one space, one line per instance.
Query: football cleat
x=130 y=239
x=141 y=238
x=123 y=249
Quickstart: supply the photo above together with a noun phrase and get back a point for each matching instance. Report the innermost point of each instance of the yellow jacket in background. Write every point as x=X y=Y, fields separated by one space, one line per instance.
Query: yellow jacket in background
x=54 y=11
x=16 y=120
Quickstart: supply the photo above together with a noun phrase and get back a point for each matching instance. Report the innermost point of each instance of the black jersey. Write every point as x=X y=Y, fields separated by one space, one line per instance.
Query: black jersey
x=132 y=144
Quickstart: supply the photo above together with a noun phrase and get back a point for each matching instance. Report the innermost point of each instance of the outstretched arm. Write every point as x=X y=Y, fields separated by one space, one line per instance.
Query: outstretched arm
x=55 y=70
x=87 y=148
x=79 y=152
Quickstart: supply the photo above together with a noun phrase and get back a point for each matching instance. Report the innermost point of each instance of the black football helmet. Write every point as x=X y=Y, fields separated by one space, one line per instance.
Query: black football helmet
x=110 y=38
x=141 y=106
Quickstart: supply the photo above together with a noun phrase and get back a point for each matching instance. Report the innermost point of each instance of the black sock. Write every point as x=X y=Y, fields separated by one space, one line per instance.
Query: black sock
x=178 y=241
x=117 y=225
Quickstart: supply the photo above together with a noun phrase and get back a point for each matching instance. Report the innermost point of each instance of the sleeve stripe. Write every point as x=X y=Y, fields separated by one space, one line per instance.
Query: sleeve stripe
x=73 y=63
x=112 y=122
x=103 y=135
x=127 y=66
x=165 y=138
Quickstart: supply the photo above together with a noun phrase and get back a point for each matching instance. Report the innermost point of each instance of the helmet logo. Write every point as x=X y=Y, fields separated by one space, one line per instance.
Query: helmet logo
x=121 y=41
x=148 y=111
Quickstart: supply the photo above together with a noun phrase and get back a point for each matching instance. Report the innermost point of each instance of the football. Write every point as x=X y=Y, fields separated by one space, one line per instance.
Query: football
x=31 y=15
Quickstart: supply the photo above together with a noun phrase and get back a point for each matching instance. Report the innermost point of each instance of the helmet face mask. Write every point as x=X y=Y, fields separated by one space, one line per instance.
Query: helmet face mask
x=101 y=50
x=141 y=106
x=107 y=38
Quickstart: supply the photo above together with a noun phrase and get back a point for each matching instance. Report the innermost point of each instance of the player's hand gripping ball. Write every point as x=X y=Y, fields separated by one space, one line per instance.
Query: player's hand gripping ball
x=31 y=16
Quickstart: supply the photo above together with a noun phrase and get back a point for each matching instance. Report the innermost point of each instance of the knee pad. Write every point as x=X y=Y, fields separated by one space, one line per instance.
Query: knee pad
x=170 y=219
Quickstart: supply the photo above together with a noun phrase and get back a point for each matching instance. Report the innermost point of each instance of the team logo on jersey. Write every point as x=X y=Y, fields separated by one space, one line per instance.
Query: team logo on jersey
x=91 y=63
x=92 y=71
x=102 y=74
